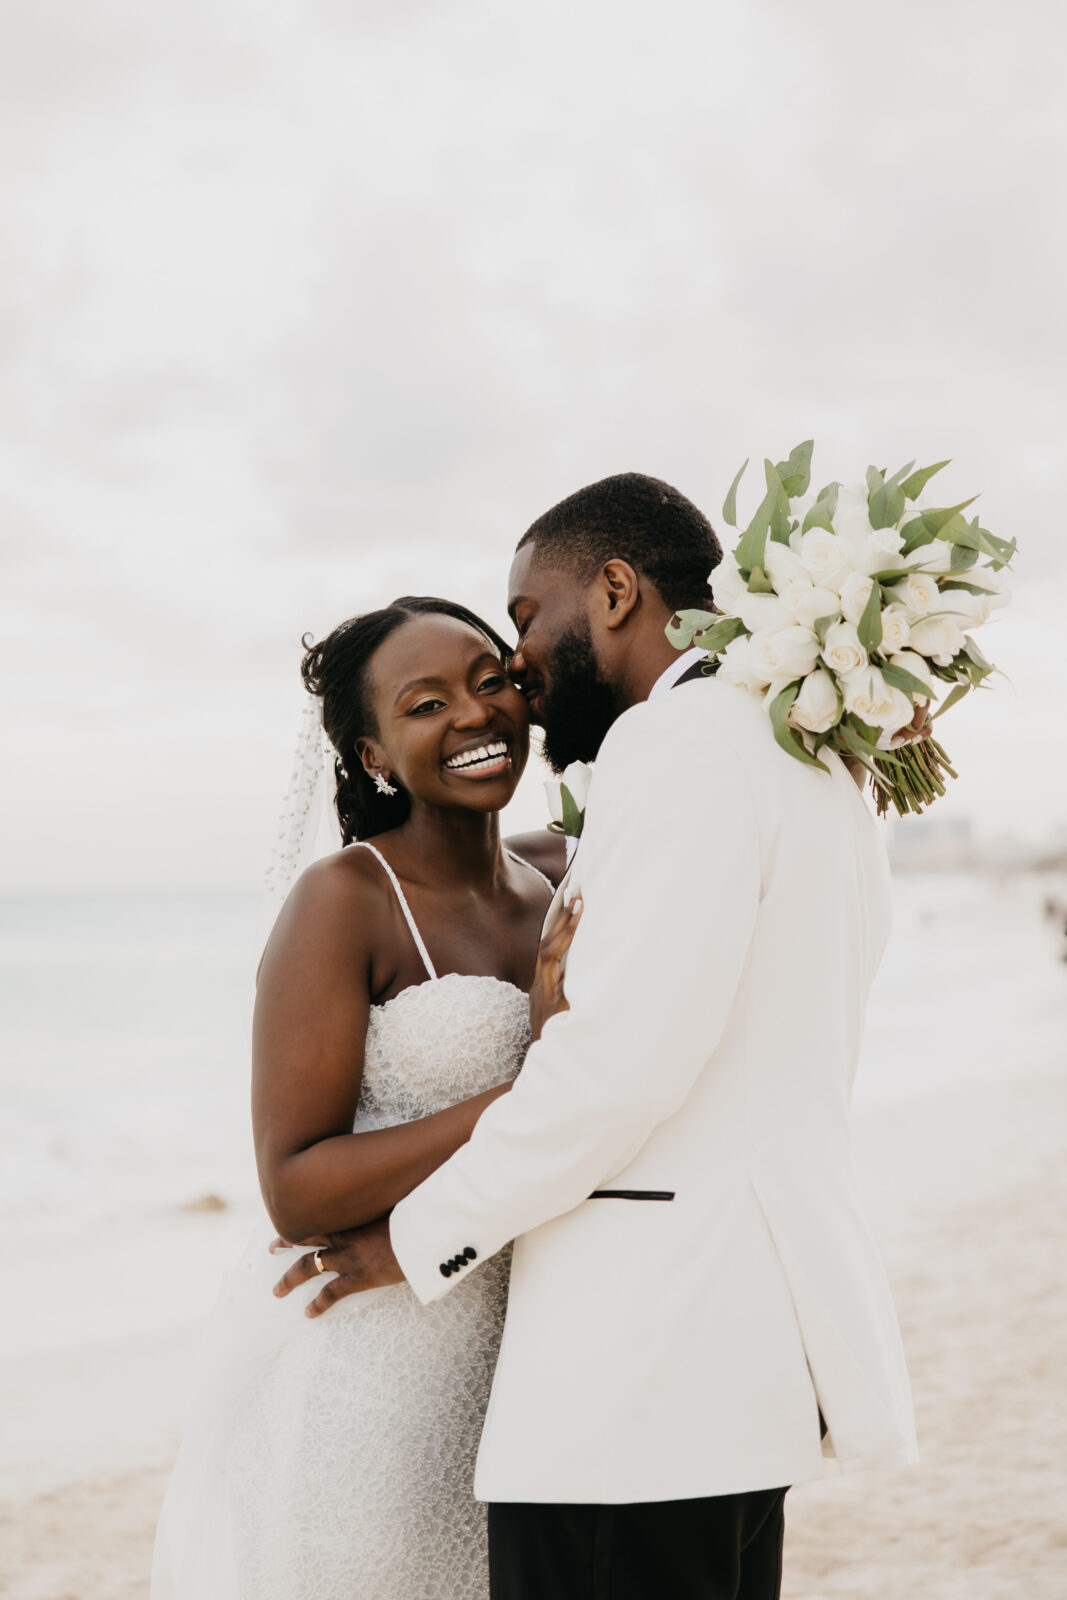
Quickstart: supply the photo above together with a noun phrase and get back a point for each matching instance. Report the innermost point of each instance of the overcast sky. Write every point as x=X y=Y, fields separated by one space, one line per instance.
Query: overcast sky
x=305 y=305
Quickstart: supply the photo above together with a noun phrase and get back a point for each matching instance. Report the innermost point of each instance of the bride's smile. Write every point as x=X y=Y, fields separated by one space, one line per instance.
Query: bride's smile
x=484 y=760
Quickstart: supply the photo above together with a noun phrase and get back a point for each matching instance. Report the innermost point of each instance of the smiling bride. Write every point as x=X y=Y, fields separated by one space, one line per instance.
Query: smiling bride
x=397 y=997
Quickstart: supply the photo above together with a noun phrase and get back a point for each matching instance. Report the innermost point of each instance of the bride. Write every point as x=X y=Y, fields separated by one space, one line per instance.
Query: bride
x=332 y=1458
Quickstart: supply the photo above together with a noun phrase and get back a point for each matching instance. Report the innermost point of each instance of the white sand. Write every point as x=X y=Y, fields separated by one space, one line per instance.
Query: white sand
x=967 y=1191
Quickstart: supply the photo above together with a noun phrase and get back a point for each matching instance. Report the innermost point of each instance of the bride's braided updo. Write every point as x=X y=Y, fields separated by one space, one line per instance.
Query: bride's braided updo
x=337 y=670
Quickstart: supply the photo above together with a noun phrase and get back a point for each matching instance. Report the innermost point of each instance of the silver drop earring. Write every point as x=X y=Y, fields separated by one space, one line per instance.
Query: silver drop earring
x=383 y=785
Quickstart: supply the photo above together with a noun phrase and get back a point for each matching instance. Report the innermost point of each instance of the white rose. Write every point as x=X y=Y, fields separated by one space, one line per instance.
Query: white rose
x=806 y=604
x=851 y=519
x=736 y=666
x=919 y=593
x=855 y=592
x=917 y=667
x=815 y=707
x=784 y=567
x=869 y=697
x=842 y=651
x=825 y=558
x=973 y=608
x=781 y=655
x=993 y=583
x=896 y=628
x=934 y=557
x=727 y=585
x=577 y=778
x=878 y=552
x=762 y=611
x=941 y=638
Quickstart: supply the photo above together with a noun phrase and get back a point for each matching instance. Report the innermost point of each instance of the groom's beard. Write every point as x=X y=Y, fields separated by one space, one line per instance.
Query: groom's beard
x=581 y=704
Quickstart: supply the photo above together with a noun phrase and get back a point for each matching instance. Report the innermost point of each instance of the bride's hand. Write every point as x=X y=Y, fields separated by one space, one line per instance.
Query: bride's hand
x=546 y=993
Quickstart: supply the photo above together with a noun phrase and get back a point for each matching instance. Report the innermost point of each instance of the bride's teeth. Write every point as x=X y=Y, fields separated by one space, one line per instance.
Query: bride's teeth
x=472 y=758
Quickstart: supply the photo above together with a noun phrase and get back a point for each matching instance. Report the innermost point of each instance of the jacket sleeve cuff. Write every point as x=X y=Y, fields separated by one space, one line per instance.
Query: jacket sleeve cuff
x=430 y=1273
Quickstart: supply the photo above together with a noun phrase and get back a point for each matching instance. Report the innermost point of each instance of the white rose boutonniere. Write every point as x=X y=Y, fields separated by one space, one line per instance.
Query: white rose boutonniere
x=567 y=797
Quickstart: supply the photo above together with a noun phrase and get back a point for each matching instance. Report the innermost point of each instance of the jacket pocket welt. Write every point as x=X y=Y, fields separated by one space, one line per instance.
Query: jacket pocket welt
x=632 y=1194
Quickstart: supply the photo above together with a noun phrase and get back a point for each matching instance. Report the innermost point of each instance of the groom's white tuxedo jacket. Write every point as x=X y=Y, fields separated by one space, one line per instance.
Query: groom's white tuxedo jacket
x=736 y=908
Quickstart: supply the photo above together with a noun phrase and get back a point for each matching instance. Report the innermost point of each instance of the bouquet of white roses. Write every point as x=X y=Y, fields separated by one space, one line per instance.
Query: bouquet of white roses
x=846 y=609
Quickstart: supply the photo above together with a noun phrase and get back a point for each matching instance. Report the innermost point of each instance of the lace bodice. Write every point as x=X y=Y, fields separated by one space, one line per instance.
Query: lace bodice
x=440 y=1042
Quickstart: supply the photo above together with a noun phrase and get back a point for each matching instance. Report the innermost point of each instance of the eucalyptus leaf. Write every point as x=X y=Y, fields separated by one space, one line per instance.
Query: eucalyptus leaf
x=885 y=506
x=787 y=737
x=759 y=583
x=750 y=551
x=915 y=534
x=900 y=678
x=967 y=588
x=822 y=626
x=729 y=505
x=572 y=816
x=722 y=632
x=962 y=559
x=971 y=649
x=863 y=752
x=821 y=514
x=779 y=524
x=684 y=624
x=795 y=473
x=974 y=537
x=944 y=522
x=870 y=624
x=914 y=486
x=871 y=734
x=875 y=479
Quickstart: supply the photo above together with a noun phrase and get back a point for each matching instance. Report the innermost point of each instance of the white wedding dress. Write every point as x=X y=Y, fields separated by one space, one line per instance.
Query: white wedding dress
x=333 y=1459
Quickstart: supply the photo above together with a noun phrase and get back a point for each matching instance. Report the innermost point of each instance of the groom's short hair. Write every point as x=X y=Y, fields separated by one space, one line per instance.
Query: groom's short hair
x=636 y=519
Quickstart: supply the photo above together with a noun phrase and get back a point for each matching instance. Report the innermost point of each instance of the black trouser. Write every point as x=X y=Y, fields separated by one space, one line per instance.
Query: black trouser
x=727 y=1547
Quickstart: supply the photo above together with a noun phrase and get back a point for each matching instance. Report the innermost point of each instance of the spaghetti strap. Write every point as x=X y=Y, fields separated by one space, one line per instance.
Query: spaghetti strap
x=524 y=863
x=362 y=844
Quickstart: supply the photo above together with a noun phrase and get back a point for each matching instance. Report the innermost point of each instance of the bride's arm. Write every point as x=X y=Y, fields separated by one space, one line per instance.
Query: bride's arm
x=309 y=1031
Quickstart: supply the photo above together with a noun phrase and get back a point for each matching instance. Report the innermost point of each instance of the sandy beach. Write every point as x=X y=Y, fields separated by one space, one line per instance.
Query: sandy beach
x=961 y=1137
x=967 y=1191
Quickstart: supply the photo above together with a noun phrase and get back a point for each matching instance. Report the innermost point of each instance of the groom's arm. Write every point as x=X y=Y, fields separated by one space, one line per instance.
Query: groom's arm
x=671 y=883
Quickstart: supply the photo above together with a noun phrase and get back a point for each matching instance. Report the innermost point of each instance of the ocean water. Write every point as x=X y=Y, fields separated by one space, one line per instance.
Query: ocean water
x=124 y=1033
x=124 y=1054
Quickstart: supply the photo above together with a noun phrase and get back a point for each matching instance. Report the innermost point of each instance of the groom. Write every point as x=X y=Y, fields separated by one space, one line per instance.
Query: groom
x=694 y=1293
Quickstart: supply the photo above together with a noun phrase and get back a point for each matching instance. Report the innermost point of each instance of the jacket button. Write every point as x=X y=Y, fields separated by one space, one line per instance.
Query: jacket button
x=471 y=1253
x=446 y=1269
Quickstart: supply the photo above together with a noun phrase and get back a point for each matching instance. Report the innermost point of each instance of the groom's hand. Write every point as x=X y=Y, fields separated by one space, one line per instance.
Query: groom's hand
x=362 y=1259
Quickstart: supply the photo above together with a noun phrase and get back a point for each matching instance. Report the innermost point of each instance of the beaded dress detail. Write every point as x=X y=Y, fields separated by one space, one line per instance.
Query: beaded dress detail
x=334 y=1459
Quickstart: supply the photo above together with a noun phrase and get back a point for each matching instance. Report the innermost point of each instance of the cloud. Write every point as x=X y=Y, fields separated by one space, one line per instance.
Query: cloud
x=303 y=307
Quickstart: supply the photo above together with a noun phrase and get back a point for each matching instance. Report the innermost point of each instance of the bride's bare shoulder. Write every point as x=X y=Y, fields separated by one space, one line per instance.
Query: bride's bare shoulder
x=543 y=850
x=341 y=903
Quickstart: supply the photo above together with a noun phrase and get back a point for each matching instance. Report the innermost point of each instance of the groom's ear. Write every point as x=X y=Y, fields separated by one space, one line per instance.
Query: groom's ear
x=620 y=591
